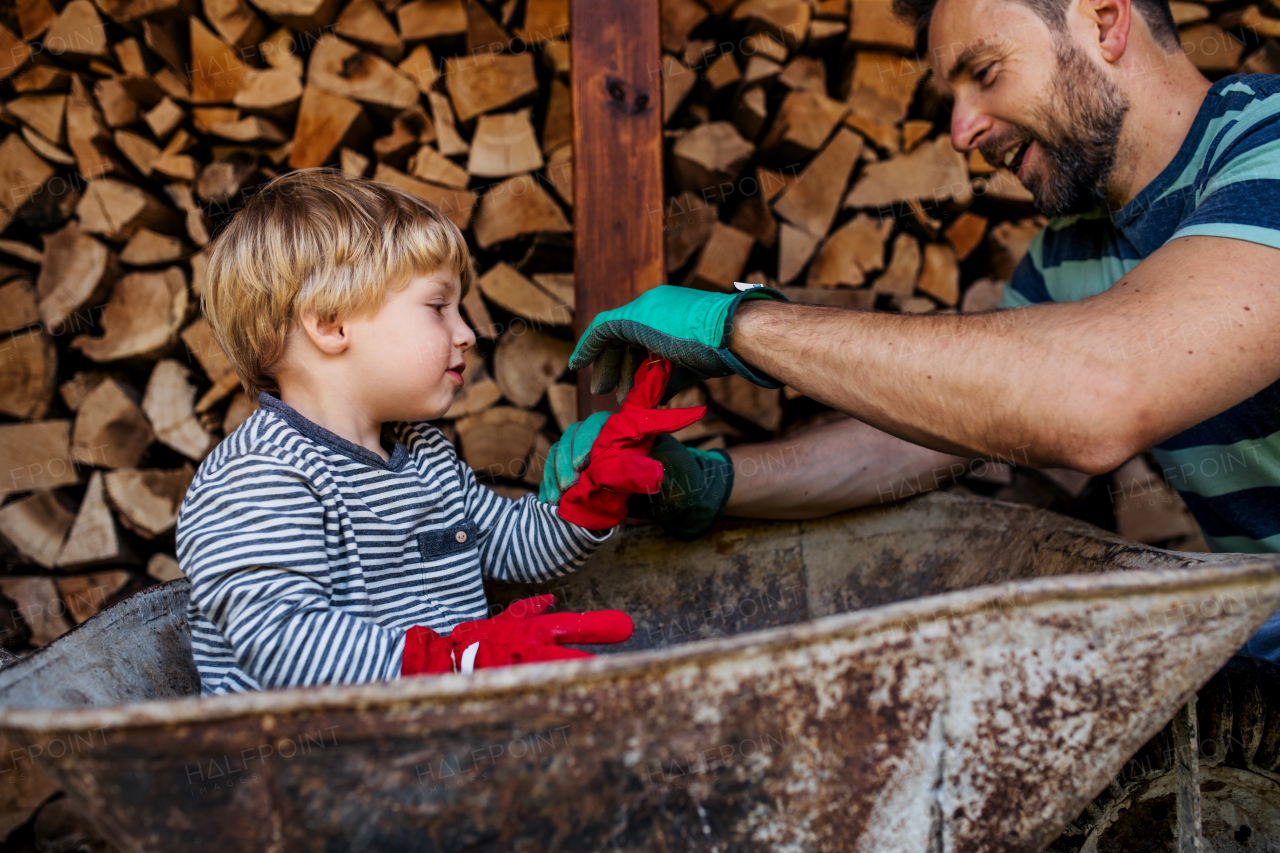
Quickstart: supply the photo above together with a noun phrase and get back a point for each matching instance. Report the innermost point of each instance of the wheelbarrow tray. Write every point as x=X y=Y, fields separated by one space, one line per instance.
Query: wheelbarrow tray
x=994 y=671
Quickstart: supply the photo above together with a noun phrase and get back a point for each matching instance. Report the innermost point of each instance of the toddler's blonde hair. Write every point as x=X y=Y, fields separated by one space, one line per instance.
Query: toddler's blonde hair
x=323 y=241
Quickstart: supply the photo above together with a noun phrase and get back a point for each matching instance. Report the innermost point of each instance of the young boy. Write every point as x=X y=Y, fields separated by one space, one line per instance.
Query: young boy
x=335 y=518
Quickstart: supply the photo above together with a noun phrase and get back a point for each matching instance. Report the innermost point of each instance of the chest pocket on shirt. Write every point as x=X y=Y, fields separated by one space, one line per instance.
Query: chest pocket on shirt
x=454 y=539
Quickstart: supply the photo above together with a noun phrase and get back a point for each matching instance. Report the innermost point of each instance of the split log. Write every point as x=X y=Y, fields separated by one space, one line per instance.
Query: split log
x=723 y=73
x=169 y=404
x=940 y=276
x=872 y=23
x=880 y=86
x=708 y=156
x=526 y=365
x=433 y=167
x=202 y=346
x=545 y=20
x=480 y=391
x=18 y=306
x=41 y=78
x=39 y=606
x=164 y=117
x=823 y=35
x=884 y=136
x=497 y=441
x=812 y=201
x=432 y=19
x=16 y=51
x=172 y=162
x=78 y=387
x=21 y=174
x=111 y=430
x=36 y=455
x=914 y=304
x=117 y=210
x=750 y=112
x=1264 y=60
x=87 y=595
x=914 y=132
x=536 y=465
x=454 y=203
x=141 y=318
x=1009 y=242
x=272 y=92
x=805 y=74
x=36 y=526
x=851 y=253
x=28 y=374
x=420 y=67
x=478 y=315
x=563 y=398
x=364 y=23
x=795 y=247
x=788 y=19
x=560 y=171
x=557 y=125
x=754 y=217
x=47 y=149
x=217 y=72
x=488 y=82
x=983 y=295
x=34 y=17
x=77 y=273
x=934 y=173
x=148 y=500
x=677 y=82
x=139 y=151
x=687 y=224
x=761 y=406
x=22 y=251
x=301 y=15
x=503 y=145
x=560 y=285
x=410 y=129
x=448 y=140
x=760 y=69
x=555 y=57
x=94 y=538
x=197 y=228
x=164 y=568
x=511 y=291
x=42 y=113
x=345 y=69
x=483 y=32
x=904 y=269
x=723 y=258
x=235 y=21
x=679 y=18
x=280 y=50
x=326 y=122
x=242 y=405
x=78 y=32
x=353 y=162
x=1210 y=48
x=803 y=123
x=219 y=181
x=119 y=109
x=516 y=207
x=147 y=248
x=966 y=233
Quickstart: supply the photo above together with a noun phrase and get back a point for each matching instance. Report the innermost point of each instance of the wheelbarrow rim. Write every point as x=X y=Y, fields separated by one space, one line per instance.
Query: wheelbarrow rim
x=1217 y=571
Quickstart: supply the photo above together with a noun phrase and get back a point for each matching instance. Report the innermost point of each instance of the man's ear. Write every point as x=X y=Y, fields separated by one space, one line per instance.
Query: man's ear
x=326 y=334
x=1113 y=19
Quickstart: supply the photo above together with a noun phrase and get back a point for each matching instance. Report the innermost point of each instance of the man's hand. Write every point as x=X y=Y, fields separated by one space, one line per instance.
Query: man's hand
x=687 y=327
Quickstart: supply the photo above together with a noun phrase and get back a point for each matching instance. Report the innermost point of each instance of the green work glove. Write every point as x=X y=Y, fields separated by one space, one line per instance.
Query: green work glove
x=569 y=457
x=695 y=488
x=685 y=326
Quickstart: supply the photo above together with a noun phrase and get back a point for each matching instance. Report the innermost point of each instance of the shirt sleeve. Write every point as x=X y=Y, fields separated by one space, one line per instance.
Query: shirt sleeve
x=1238 y=192
x=525 y=541
x=251 y=537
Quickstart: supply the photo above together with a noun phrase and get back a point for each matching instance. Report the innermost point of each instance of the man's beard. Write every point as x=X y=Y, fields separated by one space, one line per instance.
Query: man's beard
x=1079 y=133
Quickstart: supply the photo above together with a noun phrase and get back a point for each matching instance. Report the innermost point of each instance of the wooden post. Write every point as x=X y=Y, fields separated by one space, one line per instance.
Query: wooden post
x=617 y=152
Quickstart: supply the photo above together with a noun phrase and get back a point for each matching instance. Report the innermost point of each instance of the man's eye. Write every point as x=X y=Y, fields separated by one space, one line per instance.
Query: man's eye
x=983 y=74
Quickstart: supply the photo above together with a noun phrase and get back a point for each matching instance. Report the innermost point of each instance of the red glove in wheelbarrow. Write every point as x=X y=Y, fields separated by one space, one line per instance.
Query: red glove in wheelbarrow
x=620 y=464
x=523 y=633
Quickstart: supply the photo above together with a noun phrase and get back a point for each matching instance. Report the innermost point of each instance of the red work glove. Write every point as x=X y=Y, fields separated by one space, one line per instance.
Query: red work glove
x=620 y=465
x=523 y=633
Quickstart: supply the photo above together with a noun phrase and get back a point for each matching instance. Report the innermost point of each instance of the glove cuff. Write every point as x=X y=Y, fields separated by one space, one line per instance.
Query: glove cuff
x=732 y=361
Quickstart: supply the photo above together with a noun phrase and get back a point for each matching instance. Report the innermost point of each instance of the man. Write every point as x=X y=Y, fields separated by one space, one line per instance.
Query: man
x=1166 y=193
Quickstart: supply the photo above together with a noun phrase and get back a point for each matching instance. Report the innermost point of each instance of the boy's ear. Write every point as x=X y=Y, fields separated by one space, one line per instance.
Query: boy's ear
x=327 y=334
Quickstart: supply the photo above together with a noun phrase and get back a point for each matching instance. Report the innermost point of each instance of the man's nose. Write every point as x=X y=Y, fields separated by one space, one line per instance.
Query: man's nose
x=968 y=124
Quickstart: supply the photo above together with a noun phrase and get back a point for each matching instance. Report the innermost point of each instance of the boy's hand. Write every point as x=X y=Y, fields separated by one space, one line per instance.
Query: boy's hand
x=523 y=633
x=569 y=457
x=695 y=488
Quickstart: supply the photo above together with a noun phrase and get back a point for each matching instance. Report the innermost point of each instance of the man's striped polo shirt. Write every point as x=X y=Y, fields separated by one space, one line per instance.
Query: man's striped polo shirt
x=1224 y=182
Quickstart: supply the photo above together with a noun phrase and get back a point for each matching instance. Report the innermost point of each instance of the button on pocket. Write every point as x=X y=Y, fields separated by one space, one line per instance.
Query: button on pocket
x=460 y=536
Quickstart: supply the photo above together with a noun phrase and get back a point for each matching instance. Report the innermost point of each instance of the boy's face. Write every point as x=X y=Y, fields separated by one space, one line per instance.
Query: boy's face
x=410 y=350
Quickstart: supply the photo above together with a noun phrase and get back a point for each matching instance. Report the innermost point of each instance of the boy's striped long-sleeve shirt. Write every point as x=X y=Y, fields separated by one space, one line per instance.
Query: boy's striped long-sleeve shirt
x=310 y=556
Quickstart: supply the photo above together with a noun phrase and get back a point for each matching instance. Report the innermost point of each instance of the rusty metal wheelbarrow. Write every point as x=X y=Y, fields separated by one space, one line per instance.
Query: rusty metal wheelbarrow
x=945 y=675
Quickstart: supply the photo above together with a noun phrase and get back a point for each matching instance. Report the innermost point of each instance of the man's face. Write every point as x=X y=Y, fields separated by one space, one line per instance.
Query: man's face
x=1028 y=100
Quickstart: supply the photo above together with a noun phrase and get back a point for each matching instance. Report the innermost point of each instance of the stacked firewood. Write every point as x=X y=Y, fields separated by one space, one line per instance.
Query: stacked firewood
x=807 y=148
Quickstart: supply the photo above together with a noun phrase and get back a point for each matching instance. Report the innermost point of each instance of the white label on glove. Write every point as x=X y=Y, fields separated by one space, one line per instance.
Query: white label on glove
x=469 y=657
x=743 y=286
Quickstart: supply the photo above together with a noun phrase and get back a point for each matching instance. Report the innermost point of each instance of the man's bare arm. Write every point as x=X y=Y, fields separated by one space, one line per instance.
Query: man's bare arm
x=832 y=468
x=1085 y=385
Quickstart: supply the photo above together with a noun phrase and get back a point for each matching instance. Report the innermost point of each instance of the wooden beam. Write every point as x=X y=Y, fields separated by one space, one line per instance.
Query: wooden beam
x=617 y=140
